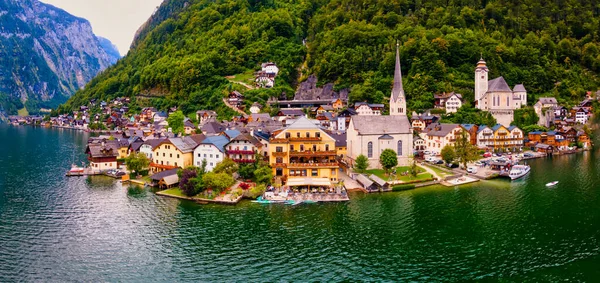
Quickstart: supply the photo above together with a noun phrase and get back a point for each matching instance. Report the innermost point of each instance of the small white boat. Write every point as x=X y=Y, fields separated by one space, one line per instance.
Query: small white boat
x=518 y=171
x=552 y=184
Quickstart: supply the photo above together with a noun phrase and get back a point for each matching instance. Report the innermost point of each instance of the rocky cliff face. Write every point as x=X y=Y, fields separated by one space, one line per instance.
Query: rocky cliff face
x=47 y=54
x=308 y=90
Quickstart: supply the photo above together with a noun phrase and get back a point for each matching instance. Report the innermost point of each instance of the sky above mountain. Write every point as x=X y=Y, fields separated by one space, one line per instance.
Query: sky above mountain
x=116 y=20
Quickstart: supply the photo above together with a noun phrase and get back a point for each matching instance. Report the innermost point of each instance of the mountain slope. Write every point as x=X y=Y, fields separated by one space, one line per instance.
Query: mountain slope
x=46 y=54
x=182 y=54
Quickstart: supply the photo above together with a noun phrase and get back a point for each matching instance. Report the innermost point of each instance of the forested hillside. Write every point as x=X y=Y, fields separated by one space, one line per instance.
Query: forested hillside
x=182 y=55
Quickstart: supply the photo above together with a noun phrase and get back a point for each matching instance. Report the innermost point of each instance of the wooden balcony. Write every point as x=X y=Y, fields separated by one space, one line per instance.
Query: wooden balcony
x=279 y=153
x=240 y=152
x=306 y=139
x=313 y=165
x=278 y=165
x=247 y=161
x=313 y=153
x=279 y=141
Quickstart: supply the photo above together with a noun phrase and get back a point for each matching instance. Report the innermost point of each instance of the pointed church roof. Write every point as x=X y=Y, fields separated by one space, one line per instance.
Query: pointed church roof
x=398 y=89
x=498 y=85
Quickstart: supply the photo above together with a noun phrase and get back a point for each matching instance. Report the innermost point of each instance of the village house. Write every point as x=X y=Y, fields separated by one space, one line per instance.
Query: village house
x=485 y=137
x=581 y=115
x=102 y=156
x=544 y=108
x=451 y=102
x=420 y=121
x=172 y=153
x=344 y=118
x=203 y=116
x=472 y=130
x=496 y=97
x=303 y=155
x=243 y=149
x=255 y=108
x=147 y=148
x=236 y=99
x=211 y=149
x=285 y=114
x=418 y=143
x=363 y=108
x=437 y=136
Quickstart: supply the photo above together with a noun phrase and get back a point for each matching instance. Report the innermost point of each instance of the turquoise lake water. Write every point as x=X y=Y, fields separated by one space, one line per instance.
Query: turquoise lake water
x=54 y=228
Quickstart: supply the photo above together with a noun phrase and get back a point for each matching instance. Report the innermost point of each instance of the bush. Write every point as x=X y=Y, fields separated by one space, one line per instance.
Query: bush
x=255 y=192
x=402 y=188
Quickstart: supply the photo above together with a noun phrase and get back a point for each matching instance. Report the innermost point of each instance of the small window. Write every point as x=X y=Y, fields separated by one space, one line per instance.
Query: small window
x=217 y=156
x=298 y=134
x=279 y=160
x=279 y=149
x=318 y=135
x=307 y=134
x=287 y=135
x=211 y=156
x=370 y=150
x=177 y=155
x=315 y=173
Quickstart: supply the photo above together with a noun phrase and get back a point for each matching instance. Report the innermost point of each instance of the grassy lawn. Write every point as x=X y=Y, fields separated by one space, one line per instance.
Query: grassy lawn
x=422 y=175
x=246 y=77
x=438 y=171
x=23 y=112
x=174 y=192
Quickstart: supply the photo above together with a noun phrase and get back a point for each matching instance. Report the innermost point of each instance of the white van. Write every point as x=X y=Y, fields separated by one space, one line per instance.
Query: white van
x=472 y=169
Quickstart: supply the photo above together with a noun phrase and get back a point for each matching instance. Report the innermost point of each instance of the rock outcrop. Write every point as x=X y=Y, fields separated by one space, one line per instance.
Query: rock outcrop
x=46 y=54
x=308 y=90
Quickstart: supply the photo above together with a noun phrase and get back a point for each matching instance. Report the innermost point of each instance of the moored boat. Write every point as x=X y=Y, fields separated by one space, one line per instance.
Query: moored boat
x=518 y=171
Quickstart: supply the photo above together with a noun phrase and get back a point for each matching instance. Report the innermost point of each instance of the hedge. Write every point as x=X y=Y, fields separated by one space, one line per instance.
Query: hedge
x=402 y=188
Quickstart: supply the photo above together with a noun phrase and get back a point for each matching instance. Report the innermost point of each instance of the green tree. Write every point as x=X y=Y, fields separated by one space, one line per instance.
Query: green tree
x=388 y=160
x=227 y=166
x=361 y=164
x=465 y=151
x=524 y=117
x=246 y=171
x=137 y=162
x=263 y=175
x=414 y=169
x=218 y=182
x=175 y=121
x=448 y=153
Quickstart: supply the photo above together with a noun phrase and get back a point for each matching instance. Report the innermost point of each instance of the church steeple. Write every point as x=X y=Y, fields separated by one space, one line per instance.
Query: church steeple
x=398 y=99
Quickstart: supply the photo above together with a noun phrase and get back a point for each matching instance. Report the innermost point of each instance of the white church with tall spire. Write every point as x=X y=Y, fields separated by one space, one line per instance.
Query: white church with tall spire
x=398 y=99
x=371 y=135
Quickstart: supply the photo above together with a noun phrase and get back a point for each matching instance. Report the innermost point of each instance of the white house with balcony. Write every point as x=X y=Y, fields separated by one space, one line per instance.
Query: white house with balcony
x=212 y=149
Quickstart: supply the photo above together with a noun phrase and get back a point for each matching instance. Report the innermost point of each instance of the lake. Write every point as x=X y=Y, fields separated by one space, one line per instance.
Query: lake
x=54 y=228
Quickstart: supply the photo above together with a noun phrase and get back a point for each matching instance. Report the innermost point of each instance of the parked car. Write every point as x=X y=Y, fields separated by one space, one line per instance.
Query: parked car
x=120 y=173
x=472 y=170
x=439 y=161
x=487 y=155
x=427 y=152
x=528 y=154
x=478 y=163
x=452 y=165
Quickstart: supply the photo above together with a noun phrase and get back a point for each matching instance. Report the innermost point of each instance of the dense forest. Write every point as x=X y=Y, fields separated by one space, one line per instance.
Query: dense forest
x=183 y=53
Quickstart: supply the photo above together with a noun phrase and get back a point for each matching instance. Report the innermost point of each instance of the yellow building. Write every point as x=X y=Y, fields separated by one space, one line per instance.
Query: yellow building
x=507 y=138
x=304 y=156
x=172 y=153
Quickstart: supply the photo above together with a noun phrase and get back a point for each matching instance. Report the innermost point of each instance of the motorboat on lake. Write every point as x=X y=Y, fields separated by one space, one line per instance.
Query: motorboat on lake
x=552 y=184
x=519 y=171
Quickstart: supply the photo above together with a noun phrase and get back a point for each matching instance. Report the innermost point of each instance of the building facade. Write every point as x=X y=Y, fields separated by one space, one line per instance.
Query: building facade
x=303 y=153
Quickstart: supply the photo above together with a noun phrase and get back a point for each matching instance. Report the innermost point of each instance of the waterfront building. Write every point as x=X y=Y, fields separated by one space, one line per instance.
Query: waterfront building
x=420 y=121
x=243 y=149
x=211 y=149
x=303 y=154
x=496 y=97
x=507 y=138
x=437 y=135
x=174 y=152
x=102 y=156
x=148 y=147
